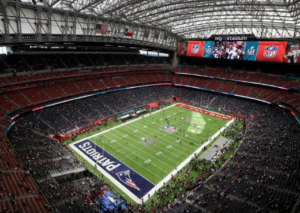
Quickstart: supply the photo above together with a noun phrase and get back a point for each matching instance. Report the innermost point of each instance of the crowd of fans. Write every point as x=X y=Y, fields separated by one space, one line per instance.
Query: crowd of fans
x=218 y=102
x=64 y=118
x=18 y=193
x=262 y=175
x=25 y=63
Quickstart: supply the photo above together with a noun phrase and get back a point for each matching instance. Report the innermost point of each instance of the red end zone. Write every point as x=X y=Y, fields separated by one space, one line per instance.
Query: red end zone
x=205 y=112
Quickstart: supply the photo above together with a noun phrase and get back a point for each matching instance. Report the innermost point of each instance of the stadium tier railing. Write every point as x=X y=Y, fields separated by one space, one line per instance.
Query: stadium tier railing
x=243 y=76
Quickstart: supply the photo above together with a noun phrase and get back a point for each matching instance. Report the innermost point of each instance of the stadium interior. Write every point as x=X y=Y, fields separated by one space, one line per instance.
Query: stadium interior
x=72 y=71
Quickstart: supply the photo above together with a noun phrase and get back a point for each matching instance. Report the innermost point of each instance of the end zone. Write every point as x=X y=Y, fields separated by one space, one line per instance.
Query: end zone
x=227 y=118
x=131 y=182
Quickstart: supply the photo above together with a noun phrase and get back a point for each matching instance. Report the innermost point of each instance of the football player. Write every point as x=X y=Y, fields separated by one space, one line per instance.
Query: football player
x=293 y=54
x=182 y=49
x=215 y=53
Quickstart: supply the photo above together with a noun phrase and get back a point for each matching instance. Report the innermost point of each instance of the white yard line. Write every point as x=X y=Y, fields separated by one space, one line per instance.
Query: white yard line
x=158 y=138
x=125 y=147
x=160 y=184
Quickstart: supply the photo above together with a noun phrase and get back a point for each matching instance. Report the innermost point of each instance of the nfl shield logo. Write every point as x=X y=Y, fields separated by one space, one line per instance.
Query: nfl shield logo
x=270 y=51
x=195 y=48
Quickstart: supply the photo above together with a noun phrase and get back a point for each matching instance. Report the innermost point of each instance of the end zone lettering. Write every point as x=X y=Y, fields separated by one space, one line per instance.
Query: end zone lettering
x=117 y=170
x=88 y=149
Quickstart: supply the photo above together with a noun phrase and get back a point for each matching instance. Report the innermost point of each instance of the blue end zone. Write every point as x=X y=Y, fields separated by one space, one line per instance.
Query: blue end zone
x=134 y=182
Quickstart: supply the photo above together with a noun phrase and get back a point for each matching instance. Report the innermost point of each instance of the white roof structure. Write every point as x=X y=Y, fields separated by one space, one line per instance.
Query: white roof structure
x=197 y=18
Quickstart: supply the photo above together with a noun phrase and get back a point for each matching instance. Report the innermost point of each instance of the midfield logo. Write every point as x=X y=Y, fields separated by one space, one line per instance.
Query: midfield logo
x=169 y=128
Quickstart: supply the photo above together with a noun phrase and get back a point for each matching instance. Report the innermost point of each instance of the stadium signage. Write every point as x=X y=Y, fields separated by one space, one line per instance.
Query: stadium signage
x=243 y=48
x=229 y=38
x=113 y=168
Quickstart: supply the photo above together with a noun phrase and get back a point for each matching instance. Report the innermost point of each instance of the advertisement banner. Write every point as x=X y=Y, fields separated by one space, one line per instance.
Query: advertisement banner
x=208 y=49
x=268 y=51
x=195 y=48
x=292 y=53
x=251 y=50
x=271 y=51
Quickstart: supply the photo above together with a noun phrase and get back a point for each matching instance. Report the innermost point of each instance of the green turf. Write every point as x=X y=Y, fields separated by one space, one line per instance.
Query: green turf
x=149 y=127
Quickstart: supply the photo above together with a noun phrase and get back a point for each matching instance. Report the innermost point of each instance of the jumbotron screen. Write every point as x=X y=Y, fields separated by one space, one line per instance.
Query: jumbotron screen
x=269 y=51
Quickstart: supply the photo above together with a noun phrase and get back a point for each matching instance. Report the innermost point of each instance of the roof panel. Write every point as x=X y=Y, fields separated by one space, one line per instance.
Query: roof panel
x=194 y=18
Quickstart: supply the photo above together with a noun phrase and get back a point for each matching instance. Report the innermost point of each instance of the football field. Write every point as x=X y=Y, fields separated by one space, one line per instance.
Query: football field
x=142 y=152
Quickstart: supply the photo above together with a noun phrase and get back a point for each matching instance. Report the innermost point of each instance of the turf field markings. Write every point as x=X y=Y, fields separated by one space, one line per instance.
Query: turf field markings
x=212 y=130
x=173 y=133
x=154 y=151
x=142 y=151
x=206 y=128
x=157 y=141
x=188 y=140
x=137 y=161
x=210 y=127
x=159 y=148
x=161 y=138
x=168 y=141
